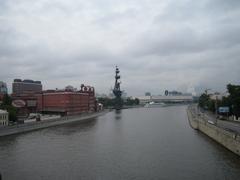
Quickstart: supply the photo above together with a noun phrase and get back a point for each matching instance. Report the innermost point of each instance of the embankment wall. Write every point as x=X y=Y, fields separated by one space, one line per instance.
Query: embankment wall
x=10 y=130
x=230 y=140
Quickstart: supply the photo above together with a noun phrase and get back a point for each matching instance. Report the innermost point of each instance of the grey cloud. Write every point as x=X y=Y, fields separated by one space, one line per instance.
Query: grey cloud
x=186 y=40
x=158 y=45
x=222 y=6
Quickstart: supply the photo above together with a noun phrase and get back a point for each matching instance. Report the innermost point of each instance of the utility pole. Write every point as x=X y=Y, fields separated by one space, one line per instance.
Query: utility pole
x=216 y=107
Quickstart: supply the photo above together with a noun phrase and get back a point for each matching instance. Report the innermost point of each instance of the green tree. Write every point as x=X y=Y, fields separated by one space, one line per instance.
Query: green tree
x=204 y=101
x=131 y=102
x=234 y=99
x=7 y=105
x=136 y=101
x=211 y=105
x=107 y=102
x=7 y=100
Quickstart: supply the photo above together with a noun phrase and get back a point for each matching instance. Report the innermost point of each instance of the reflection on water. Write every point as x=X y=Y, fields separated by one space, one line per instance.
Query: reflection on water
x=143 y=143
x=7 y=143
x=118 y=114
x=72 y=128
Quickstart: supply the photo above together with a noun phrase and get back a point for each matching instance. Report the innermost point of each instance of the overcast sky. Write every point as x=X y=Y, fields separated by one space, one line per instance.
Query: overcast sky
x=157 y=44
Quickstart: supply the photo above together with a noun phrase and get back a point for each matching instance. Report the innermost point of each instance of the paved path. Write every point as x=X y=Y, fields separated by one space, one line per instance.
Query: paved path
x=211 y=118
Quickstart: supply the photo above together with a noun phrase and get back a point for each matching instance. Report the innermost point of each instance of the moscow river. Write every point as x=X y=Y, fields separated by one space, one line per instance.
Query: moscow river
x=141 y=143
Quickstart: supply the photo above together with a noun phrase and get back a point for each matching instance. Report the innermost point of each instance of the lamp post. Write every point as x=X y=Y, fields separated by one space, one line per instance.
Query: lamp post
x=216 y=108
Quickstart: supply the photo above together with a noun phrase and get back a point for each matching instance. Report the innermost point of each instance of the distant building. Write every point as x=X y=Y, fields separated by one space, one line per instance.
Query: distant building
x=70 y=88
x=3 y=118
x=218 y=96
x=3 y=88
x=167 y=99
x=174 y=99
x=67 y=102
x=20 y=87
x=144 y=99
x=147 y=94
x=64 y=103
x=174 y=93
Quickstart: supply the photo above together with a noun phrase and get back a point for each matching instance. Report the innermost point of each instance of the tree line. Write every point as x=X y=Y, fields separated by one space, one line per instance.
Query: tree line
x=109 y=102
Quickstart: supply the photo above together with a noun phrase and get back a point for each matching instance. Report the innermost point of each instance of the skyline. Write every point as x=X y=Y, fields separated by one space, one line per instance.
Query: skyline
x=157 y=45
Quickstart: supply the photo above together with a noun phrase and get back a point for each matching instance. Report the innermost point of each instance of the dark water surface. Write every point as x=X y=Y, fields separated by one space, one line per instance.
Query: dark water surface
x=144 y=143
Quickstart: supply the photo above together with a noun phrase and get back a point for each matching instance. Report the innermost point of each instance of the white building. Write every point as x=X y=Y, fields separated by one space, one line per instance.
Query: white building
x=3 y=118
x=176 y=99
x=218 y=96
x=172 y=99
x=144 y=99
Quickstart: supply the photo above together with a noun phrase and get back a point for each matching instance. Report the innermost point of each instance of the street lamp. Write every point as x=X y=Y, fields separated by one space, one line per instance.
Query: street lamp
x=216 y=108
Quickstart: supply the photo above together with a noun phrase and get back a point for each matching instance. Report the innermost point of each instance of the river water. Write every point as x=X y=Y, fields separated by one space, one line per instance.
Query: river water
x=142 y=143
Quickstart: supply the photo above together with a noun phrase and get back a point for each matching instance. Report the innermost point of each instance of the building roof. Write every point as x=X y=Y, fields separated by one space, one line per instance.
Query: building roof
x=3 y=111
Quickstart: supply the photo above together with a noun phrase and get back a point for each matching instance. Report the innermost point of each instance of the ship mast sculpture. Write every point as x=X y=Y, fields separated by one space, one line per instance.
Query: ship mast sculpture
x=117 y=91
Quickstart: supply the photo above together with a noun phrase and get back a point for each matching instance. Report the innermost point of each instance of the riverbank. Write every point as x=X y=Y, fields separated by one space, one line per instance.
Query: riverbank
x=227 y=138
x=22 y=128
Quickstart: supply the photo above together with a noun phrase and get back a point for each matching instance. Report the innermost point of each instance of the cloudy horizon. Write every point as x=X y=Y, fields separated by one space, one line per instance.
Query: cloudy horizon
x=176 y=45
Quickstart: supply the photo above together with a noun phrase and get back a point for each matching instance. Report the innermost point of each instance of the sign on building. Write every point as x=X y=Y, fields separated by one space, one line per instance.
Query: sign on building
x=18 y=103
x=166 y=93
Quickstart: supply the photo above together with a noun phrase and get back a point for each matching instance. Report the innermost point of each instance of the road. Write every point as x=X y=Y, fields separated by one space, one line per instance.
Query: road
x=208 y=116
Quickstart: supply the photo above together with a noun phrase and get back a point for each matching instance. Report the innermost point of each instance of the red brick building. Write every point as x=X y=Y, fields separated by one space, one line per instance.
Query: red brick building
x=92 y=99
x=67 y=102
x=64 y=102
x=29 y=104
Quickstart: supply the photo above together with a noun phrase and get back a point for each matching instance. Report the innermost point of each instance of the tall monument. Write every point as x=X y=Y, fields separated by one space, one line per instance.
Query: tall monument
x=117 y=91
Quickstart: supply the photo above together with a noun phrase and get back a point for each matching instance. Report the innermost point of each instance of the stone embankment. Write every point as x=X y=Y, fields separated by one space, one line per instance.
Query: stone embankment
x=229 y=139
x=21 y=128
